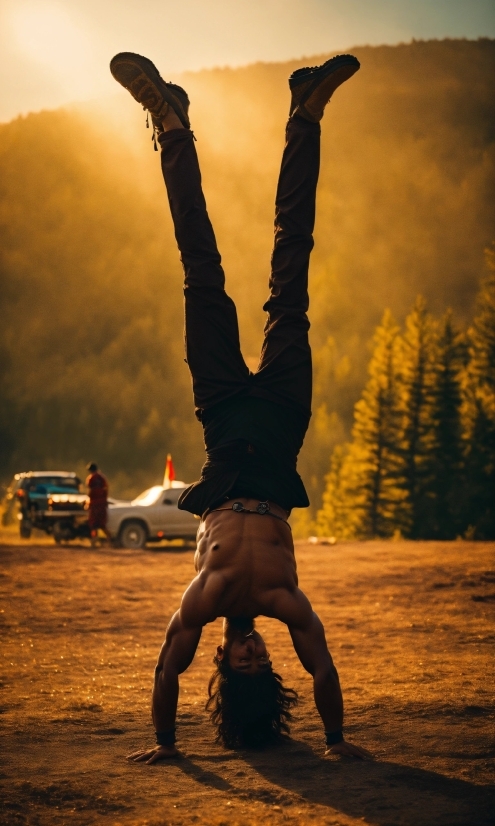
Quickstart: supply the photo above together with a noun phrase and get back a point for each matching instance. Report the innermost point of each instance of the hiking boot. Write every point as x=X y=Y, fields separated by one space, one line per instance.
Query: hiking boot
x=313 y=86
x=142 y=79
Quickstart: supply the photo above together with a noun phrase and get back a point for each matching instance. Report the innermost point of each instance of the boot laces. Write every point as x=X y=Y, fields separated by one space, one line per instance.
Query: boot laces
x=155 y=129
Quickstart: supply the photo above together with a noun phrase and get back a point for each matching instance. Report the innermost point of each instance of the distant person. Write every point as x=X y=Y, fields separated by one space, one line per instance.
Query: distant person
x=98 y=503
x=254 y=426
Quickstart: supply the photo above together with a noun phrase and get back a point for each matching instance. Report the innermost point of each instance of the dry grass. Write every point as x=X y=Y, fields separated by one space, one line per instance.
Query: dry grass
x=411 y=629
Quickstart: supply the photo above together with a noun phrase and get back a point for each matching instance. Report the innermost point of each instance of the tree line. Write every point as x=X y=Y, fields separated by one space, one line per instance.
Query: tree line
x=91 y=352
x=421 y=460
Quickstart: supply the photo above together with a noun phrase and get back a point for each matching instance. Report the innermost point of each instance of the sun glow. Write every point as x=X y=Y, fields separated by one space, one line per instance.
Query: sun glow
x=49 y=36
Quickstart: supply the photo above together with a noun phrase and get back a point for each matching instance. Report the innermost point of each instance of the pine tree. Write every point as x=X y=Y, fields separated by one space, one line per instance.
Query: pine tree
x=362 y=495
x=417 y=398
x=446 y=459
x=479 y=412
x=337 y=516
x=375 y=434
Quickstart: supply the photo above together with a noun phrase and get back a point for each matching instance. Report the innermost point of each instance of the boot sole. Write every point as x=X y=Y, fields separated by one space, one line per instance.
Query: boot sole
x=149 y=69
x=341 y=66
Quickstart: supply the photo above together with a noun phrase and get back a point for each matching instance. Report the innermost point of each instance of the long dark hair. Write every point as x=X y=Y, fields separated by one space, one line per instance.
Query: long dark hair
x=248 y=710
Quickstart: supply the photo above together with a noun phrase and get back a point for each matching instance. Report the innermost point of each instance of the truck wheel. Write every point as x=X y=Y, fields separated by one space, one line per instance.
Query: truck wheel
x=62 y=532
x=132 y=536
x=25 y=528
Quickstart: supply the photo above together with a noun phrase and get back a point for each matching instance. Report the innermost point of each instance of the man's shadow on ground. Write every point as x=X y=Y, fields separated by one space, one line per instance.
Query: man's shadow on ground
x=384 y=793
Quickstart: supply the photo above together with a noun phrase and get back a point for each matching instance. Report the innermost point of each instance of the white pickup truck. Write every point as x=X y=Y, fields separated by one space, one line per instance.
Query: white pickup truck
x=152 y=516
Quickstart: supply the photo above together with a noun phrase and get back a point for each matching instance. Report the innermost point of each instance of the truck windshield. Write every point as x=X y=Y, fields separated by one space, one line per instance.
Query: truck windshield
x=55 y=482
x=148 y=497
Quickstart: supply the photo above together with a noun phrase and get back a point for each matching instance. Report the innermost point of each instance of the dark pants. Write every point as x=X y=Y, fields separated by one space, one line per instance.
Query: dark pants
x=213 y=351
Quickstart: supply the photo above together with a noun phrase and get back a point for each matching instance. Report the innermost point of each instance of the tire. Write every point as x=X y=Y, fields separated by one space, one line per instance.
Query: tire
x=62 y=531
x=25 y=528
x=133 y=536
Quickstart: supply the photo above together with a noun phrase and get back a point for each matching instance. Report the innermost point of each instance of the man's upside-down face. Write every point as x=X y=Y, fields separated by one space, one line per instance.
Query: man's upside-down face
x=243 y=647
x=248 y=703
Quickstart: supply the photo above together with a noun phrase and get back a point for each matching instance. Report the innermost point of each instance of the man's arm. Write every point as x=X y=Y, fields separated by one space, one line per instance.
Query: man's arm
x=176 y=655
x=308 y=637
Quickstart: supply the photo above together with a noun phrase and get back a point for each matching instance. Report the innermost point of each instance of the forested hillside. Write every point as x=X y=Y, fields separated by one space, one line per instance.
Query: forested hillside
x=90 y=342
x=421 y=462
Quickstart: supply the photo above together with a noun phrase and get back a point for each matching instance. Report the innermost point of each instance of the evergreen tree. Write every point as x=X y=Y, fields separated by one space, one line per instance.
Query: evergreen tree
x=336 y=516
x=417 y=400
x=446 y=460
x=362 y=495
x=479 y=412
x=375 y=435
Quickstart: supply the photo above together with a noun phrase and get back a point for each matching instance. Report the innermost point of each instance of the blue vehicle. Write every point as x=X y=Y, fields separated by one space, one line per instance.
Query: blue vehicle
x=51 y=501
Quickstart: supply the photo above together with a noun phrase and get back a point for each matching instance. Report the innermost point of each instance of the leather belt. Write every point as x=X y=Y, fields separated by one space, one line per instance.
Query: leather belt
x=262 y=509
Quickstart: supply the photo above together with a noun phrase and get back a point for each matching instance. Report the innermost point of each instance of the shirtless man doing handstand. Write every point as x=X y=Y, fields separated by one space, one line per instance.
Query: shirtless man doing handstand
x=254 y=425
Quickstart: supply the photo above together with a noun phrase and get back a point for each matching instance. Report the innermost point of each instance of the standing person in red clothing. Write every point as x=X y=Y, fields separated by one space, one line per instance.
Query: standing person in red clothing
x=98 y=492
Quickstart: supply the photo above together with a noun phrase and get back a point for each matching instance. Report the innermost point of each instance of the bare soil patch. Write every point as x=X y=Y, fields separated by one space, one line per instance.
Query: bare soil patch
x=410 y=626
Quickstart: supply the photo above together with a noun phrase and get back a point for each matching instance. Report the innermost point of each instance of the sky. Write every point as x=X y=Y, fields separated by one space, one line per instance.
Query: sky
x=56 y=52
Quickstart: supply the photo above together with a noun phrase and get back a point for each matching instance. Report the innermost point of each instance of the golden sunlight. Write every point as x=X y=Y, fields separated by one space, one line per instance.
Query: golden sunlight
x=48 y=35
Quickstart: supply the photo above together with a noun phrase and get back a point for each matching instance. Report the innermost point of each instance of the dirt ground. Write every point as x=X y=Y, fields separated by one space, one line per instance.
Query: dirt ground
x=411 y=629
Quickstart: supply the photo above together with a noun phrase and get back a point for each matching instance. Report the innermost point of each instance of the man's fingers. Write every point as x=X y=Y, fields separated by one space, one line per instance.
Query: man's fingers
x=349 y=750
x=138 y=756
x=142 y=757
x=157 y=755
x=164 y=753
x=134 y=754
x=151 y=756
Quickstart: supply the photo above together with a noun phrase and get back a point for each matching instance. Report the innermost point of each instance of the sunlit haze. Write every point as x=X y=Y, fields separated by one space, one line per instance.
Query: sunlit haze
x=54 y=53
x=52 y=38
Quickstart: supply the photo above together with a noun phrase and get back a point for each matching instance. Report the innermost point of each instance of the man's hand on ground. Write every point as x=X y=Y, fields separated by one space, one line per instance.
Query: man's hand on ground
x=150 y=756
x=349 y=750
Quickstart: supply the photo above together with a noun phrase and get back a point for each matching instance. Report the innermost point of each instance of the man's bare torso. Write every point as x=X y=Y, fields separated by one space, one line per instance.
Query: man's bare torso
x=246 y=566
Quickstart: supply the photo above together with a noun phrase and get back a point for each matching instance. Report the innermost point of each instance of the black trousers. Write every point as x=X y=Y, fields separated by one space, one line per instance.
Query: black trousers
x=213 y=353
